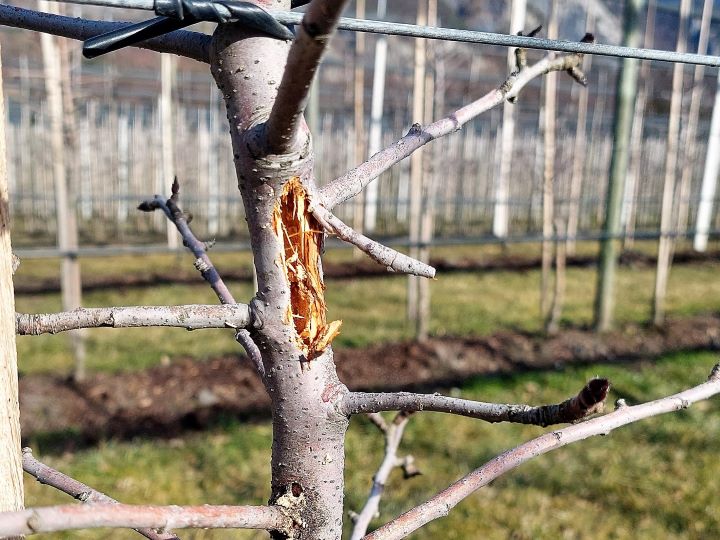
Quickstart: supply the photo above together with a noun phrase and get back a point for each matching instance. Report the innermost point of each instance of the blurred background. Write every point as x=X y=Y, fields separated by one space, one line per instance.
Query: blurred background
x=511 y=210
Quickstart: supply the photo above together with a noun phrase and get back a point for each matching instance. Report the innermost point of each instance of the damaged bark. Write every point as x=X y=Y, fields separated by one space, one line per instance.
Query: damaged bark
x=291 y=329
x=302 y=238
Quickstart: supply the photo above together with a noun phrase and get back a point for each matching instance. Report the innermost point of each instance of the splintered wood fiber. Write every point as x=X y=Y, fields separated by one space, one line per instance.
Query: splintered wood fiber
x=302 y=238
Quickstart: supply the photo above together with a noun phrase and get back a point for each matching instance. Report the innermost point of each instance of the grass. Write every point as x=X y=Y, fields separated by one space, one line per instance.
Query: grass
x=655 y=479
x=373 y=310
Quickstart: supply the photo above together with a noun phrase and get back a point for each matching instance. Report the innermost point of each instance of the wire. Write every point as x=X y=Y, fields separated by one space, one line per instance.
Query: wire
x=489 y=38
x=465 y=36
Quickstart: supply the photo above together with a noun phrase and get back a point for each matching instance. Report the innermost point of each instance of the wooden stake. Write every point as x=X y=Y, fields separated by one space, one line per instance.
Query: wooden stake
x=416 y=161
x=549 y=113
x=427 y=222
x=11 y=475
x=671 y=158
x=167 y=77
x=61 y=129
x=579 y=148
x=359 y=113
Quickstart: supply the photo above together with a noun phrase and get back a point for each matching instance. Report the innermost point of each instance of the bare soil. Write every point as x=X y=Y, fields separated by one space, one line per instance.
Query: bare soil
x=187 y=394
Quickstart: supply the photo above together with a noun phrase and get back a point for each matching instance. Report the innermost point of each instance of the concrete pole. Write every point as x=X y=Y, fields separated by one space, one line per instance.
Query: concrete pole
x=624 y=108
x=376 y=116
x=710 y=176
x=501 y=214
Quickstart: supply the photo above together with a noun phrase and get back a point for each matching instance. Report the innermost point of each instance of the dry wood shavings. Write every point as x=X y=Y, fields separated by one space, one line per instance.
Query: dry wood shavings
x=302 y=238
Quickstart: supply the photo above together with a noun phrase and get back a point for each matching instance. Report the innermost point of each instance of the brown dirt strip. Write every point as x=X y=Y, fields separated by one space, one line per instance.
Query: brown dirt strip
x=355 y=269
x=167 y=400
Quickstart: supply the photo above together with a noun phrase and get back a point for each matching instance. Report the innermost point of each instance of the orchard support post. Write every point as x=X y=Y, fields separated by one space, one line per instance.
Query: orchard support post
x=624 y=108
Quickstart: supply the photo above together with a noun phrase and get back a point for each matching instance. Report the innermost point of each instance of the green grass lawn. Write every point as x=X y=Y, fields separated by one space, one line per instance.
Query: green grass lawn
x=373 y=310
x=655 y=479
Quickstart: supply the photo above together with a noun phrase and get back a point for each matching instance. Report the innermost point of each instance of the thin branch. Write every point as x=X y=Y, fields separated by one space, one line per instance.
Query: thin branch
x=378 y=421
x=83 y=493
x=588 y=401
x=203 y=264
x=393 y=260
x=443 y=502
x=183 y=43
x=313 y=36
x=393 y=435
x=88 y=516
x=190 y=317
x=353 y=182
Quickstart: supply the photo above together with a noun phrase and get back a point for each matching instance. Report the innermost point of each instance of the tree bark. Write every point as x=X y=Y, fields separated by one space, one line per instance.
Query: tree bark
x=308 y=432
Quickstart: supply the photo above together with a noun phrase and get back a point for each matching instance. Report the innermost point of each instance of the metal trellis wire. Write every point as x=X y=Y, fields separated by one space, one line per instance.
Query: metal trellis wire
x=465 y=36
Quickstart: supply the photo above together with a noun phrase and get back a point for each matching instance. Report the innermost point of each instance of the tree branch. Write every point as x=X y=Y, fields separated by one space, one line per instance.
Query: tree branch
x=87 y=516
x=190 y=317
x=393 y=435
x=393 y=260
x=203 y=264
x=353 y=182
x=313 y=36
x=83 y=493
x=183 y=43
x=443 y=502
x=588 y=401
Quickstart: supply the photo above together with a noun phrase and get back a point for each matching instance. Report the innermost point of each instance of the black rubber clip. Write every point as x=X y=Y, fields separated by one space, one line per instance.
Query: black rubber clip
x=177 y=14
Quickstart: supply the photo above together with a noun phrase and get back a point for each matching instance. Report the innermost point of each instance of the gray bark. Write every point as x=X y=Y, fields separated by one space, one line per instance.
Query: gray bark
x=308 y=432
